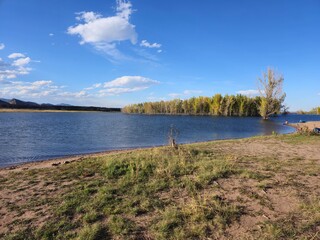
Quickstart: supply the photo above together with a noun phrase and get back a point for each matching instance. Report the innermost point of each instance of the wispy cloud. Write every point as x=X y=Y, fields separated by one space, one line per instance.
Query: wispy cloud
x=175 y=95
x=191 y=92
x=16 y=55
x=250 y=92
x=96 y=94
x=28 y=89
x=145 y=43
x=21 y=62
x=185 y=93
x=19 y=66
x=124 y=84
x=2 y=46
x=38 y=89
x=131 y=81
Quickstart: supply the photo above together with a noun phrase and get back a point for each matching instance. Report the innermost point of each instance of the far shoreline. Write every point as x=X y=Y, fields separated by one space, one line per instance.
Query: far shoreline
x=5 y=110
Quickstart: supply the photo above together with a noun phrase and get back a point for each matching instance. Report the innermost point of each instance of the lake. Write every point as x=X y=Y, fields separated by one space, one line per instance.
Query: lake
x=30 y=136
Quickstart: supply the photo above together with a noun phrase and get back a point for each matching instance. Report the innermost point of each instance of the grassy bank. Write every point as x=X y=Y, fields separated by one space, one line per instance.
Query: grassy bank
x=256 y=188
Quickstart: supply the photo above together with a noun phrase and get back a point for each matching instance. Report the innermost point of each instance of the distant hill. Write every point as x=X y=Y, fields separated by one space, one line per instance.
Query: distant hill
x=64 y=104
x=4 y=103
x=5 y=100
x=19 y=104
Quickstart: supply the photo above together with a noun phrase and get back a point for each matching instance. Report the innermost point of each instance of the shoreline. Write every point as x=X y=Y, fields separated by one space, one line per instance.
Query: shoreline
x=48 y=111
x=51 y=162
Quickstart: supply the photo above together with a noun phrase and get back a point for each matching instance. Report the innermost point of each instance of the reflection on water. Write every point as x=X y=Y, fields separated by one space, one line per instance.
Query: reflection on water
x=36 y=136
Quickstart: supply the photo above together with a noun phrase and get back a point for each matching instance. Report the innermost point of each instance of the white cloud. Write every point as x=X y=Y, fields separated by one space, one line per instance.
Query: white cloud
x=42 y=83
x=21 y=62
x=190 y=92
x=153 y=98
x=80 y=94
x=124 y=9
x=51 y=34
x=37 y=89
x=175 y=95
x=2 y=46
x=116 y=91
x=48 y=91
x=15 y=89
x=185 y=93
x=159 y=51
x=94 y=86
x=124 y=84
x=16 y=55
x=127 y=84
x=250 y=92
x=104 y=33
x=130 y=81
x=16 y=68
x=145 y=43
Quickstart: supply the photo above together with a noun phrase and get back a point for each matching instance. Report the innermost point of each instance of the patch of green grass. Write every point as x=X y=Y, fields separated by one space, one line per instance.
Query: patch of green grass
x=120 y=226
x=264 y=185
x=93 y=232
x=197 y=219
x=296 y=138
x=245 y=173
x=22 y=234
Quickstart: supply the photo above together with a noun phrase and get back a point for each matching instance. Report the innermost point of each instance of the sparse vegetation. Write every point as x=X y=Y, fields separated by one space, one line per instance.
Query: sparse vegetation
x=220 y=190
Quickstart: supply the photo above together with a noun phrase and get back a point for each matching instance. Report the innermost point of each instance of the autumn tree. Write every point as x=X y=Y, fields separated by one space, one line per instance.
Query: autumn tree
x=272 y=96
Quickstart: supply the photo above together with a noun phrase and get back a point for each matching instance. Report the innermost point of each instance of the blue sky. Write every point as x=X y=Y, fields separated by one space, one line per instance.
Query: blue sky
x=112 y=53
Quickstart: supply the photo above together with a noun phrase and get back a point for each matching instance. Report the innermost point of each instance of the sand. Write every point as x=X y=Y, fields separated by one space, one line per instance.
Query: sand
x=309 y=125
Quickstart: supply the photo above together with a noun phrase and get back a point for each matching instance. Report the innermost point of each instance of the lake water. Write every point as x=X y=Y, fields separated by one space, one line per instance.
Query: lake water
x=26 y=137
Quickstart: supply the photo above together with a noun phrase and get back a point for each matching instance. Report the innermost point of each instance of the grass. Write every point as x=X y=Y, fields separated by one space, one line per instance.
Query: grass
x=162 y=193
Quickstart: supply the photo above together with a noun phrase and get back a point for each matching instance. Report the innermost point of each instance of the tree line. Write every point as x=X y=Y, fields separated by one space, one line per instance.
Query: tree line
x=315 y=110
x=270 y=102
x=217 y=105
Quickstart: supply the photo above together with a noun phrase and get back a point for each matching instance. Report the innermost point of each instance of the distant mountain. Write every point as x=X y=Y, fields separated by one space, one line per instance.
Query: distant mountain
x=46 y=104
x=19 y=104
x=22 y=103
x=5 y=100
x=64 y=104
x=4 y=104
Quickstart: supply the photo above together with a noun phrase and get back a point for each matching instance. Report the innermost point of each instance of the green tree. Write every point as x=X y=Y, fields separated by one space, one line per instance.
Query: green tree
x=216 y=102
